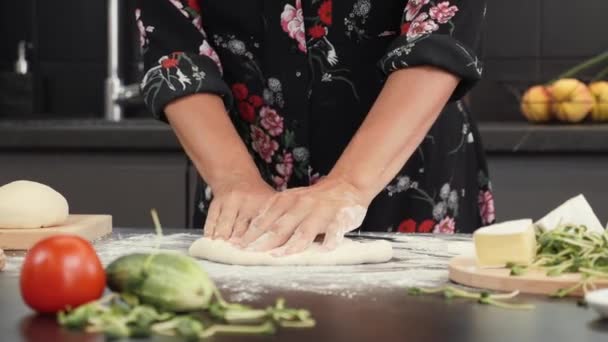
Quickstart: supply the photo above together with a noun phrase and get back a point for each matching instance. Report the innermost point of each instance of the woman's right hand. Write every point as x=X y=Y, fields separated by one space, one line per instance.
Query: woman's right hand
x=235 y=203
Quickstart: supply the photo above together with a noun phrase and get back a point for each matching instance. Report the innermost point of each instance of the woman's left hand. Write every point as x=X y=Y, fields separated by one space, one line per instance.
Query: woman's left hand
x=292 y=219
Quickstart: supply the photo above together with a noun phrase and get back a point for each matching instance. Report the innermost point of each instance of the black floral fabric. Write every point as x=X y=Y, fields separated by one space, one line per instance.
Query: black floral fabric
x=299 y=76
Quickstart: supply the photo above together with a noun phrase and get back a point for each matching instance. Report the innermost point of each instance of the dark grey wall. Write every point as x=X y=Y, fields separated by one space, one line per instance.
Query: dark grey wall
x=526 y=41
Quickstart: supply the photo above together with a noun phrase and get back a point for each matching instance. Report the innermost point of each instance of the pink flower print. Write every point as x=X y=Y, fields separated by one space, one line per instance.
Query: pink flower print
x=413 y=7
x=285 y=167
x=421 y=26
x=486 y=206
x=445 y=226
x=271 y=121
x=443 y=12
x=285 y=170
x=292 y=22
x=143 y=30
x=263 y=144
x=198 y=23
x=206 y=50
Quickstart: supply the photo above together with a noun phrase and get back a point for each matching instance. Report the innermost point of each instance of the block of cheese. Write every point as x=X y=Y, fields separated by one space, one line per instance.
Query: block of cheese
x=574 y=211
x=509 y=241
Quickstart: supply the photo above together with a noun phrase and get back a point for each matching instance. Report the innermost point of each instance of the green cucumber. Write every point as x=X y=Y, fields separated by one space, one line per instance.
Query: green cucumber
x=168 y=281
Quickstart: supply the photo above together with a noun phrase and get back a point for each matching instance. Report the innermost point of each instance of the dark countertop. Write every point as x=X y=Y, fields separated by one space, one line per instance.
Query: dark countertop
x=381 y=315
x=151 y=135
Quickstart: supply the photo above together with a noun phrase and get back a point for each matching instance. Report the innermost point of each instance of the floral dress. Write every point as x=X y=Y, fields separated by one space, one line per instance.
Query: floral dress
x=299 y=76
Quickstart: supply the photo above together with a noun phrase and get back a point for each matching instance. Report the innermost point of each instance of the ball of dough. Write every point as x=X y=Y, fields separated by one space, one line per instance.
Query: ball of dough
x=26 y=204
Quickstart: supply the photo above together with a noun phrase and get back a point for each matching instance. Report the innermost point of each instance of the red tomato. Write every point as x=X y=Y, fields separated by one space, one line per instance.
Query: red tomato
x=60 y=272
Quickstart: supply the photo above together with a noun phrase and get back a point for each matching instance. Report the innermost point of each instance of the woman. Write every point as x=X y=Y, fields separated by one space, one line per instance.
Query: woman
x=354 y=106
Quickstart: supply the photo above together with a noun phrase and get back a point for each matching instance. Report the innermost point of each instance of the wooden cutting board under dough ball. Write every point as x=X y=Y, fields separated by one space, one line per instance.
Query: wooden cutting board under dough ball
x=89 y=227
x=31 y=211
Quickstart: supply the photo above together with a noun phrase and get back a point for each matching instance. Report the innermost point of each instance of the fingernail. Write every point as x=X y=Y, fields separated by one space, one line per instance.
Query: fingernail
x=235 y=240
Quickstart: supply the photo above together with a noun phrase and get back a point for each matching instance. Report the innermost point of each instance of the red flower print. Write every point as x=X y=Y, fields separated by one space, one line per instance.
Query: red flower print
x=413 y=7
x=405 y=27
x=194 y=5
x=271 y=121
x=445 y=226
x=316 y=31
x=247 y=112
x=486 y=206
x=426 y=226
x=169 y=62
x=240 y=91
x=409 y=226
x=325 y=12
x=263 y=144
x=443 y=12
x=256 y=101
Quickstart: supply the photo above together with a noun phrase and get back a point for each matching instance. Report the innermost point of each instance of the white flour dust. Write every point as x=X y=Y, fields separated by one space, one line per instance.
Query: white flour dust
x=417 y=261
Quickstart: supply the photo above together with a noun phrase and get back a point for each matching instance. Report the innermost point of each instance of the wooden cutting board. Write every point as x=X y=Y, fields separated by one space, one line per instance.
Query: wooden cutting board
x=89 y=227
x=464 y=270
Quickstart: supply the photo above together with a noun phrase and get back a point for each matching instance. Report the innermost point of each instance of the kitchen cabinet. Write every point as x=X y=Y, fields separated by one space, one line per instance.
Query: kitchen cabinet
x=125 y=185
x=530 y=185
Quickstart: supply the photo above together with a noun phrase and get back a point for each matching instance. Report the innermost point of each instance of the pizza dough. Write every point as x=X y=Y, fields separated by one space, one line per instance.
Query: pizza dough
x=2 y=260
x=25 y=204
x=349 y=252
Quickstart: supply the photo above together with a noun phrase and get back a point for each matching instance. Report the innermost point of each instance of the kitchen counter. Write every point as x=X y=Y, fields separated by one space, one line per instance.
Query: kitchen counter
x=151 y=135
x=377 y=313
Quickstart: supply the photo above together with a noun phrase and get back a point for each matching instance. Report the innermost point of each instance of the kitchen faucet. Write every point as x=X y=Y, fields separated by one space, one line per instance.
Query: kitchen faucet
x=116 y=92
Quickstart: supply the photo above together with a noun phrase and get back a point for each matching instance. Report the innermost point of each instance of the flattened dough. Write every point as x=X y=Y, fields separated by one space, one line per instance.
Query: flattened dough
x=25 y=204
x=349 y=252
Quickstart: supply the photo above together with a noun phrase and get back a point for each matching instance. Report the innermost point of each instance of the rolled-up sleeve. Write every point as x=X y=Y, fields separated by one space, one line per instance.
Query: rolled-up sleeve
x=440 y=34
x=178 y=59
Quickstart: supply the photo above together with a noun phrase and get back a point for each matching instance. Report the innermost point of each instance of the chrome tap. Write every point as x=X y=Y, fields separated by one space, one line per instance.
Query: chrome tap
x=116 y=92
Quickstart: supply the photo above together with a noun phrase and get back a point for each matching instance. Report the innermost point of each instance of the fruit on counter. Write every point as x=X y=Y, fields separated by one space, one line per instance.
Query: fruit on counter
x=168 y=293
x=59 y=272
x=575 y=211
x=169 y=281
x=571 y=100
x=599 y=90
x=506 y=242
x=536 y=104
x=26 y=204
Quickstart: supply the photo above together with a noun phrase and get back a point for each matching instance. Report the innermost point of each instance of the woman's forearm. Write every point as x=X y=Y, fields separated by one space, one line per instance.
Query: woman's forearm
x=407 y=107
x=209 y=138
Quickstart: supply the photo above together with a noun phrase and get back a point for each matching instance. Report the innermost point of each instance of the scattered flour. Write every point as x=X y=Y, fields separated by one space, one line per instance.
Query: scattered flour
x=419 y=260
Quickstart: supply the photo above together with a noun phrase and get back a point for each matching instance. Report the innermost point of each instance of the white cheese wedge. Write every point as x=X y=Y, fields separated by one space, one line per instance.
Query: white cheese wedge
x=575 y=211
x=500 y=243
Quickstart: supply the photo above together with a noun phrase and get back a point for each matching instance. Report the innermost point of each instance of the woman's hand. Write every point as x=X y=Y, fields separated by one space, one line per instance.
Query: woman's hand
x=235 y=203
x=292 y=219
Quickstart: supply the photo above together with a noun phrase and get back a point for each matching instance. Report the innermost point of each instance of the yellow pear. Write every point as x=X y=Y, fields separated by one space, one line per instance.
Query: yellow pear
x=572 y=100
x=599 y=90
x=536 y=104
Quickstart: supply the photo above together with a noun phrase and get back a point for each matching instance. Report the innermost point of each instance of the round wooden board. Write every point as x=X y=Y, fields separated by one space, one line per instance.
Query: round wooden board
x=464 y=270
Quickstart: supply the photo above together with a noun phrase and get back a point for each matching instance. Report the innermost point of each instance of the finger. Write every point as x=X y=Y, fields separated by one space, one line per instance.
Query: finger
x=261 y=224
x=240 y=227
x=211 y=220
x=306 y=233
x=226 y=220
x=333 y=236
x=282 y=229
